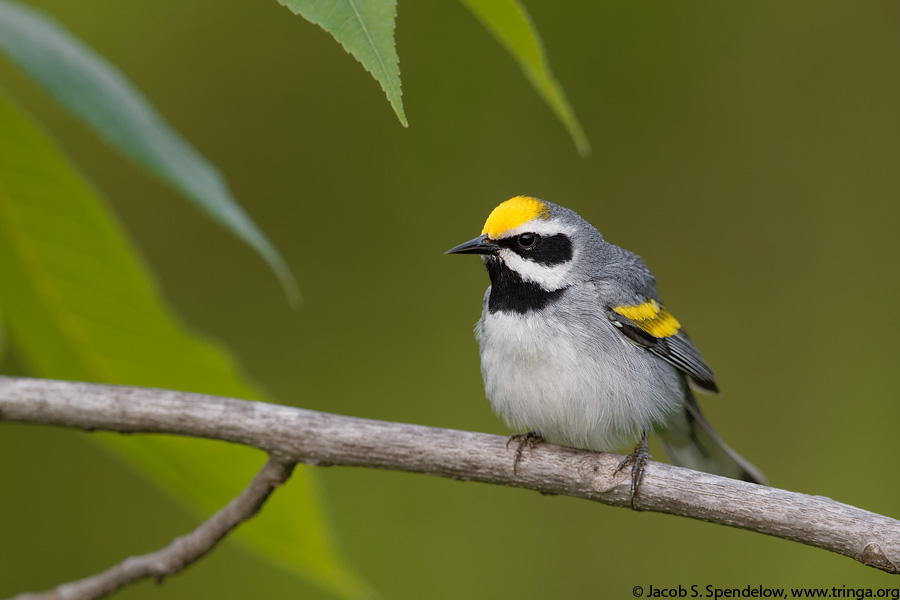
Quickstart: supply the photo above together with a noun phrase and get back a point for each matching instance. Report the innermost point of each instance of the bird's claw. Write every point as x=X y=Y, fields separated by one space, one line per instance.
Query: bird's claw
x=531 y=438
x=638 y=461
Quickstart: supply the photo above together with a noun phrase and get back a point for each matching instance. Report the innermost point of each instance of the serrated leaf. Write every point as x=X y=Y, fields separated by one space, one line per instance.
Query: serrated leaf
x=510 y=24
x=101 y=96
x=80 y=305
x=365 y=28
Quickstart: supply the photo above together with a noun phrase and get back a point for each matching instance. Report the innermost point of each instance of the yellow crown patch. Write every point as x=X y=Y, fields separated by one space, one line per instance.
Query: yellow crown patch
x=512 y=213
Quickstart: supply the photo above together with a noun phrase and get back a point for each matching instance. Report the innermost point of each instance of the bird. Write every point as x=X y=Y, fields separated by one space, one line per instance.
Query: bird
x=578 y=349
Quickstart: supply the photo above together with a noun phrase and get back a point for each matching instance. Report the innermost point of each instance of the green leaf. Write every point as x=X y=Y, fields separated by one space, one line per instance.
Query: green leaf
x=97 y=93
x=510 y=24
x=365 y=28
x=80 y=305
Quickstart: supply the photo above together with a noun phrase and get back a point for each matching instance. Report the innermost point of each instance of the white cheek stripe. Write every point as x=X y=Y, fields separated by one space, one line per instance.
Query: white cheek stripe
x=551 y=278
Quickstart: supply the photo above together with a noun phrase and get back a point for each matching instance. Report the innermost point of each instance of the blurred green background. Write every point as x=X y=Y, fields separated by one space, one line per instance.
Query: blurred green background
x=750 y=152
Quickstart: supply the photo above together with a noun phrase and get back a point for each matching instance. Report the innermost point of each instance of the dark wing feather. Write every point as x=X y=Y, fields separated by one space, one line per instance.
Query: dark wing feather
x=678 y=350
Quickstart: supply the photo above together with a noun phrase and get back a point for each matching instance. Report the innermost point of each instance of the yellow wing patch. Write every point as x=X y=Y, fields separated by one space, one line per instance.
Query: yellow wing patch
x=651 y=317
x=512 y=213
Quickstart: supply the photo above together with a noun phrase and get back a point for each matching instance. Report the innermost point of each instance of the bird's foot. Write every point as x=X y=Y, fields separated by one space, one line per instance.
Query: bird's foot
x=531 y=438
x=638 y=461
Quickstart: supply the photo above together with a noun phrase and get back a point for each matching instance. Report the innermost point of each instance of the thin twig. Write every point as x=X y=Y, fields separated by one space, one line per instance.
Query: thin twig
x=316 y=438
x=183 y=550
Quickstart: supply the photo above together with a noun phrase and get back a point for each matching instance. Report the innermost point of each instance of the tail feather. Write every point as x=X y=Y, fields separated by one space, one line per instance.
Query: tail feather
x=691 y=442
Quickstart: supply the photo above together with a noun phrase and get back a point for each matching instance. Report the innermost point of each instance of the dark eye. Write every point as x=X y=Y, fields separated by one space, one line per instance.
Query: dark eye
x=529 y=240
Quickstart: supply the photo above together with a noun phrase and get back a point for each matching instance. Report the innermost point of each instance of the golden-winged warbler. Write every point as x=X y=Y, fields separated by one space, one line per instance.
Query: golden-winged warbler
x=577 y=348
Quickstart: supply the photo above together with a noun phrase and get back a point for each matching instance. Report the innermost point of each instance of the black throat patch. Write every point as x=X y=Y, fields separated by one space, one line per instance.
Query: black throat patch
x=511 y=293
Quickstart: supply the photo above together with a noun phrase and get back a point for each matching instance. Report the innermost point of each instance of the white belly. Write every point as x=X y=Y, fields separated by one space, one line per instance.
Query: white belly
x=584 y=386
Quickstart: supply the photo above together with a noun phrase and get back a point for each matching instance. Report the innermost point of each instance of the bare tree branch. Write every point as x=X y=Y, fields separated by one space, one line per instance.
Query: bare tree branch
x=183 y=550
x=315 y=438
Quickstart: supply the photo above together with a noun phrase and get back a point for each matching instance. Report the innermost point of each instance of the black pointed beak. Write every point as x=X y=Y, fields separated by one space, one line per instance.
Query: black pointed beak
x=480 y=245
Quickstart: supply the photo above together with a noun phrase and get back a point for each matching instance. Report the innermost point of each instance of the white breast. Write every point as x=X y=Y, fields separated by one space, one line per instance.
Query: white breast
x=570 y=376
